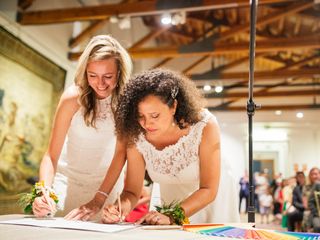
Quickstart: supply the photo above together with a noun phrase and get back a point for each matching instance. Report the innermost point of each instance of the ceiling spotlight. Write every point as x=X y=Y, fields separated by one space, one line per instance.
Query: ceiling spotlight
x=218 y=89
x=166 y=18
x=278 y=112
x=206 y=88
x=125 y=23
x=178 y=18
x=114 y=19
x=299 y=115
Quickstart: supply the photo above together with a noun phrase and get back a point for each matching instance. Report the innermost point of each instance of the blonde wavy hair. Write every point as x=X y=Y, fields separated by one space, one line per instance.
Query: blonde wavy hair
x=101 y=47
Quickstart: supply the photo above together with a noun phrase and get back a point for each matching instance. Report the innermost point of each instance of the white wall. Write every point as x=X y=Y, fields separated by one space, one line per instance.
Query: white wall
x=49 y=40
x=304 y=146
x=295 y=142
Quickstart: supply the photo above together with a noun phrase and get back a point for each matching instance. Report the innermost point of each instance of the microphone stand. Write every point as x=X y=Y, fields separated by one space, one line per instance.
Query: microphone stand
x=251 y=106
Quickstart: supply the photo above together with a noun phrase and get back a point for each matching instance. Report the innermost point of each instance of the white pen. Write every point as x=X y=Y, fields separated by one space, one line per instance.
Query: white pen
x=119 y=206
x=47 y=197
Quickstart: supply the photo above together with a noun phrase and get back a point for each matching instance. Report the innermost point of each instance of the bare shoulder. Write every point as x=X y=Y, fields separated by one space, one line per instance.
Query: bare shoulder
x=69 y=99
x=211 y=131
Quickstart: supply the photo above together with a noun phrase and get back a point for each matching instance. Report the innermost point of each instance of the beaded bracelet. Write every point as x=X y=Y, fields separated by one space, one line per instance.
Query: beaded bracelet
x=175 y=212
x=103 y=193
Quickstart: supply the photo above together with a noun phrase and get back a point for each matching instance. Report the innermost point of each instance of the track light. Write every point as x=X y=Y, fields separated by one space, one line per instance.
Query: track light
x=207 y=88
x=174 y=18
x=166 y=18
x=218 y=89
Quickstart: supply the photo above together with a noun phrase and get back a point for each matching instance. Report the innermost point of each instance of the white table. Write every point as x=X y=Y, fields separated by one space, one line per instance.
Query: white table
x=18 y=232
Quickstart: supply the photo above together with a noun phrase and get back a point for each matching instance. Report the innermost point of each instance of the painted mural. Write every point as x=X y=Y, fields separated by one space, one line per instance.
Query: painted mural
x=30 y=86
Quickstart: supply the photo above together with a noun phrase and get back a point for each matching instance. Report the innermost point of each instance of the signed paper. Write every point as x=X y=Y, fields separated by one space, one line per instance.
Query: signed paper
x=65 y=224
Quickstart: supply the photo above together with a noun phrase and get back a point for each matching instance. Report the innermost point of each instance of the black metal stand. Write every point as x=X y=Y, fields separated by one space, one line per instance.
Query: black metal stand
x=251 y=106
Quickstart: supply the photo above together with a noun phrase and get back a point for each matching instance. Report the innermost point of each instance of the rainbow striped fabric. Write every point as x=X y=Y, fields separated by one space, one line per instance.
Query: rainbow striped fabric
x=247 y=232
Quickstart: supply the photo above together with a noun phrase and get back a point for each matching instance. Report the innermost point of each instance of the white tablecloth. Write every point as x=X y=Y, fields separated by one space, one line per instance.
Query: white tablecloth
x=18 y=232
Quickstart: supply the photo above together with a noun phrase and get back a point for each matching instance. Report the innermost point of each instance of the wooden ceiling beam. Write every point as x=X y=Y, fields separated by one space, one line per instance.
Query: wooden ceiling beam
x=208 y=32
x=301 y=62
x=149 y=36
x=223 y=48
x=141 y=8
x=226 y=48
x=268 y=108
x=263 y=91
x=263 y=20
x=89 y=31
x=265 y=95
x=262 y=75
x=187 y=37
x=259 y=85
x=192 y=66
x=85 y=34
x=24 y=4
x=298 y=7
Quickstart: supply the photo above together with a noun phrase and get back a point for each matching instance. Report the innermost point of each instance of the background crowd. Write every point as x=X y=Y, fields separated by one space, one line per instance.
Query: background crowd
x=291 y=202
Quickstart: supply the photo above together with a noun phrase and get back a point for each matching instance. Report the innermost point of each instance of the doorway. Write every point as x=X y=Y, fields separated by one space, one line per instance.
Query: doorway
x=264 y=166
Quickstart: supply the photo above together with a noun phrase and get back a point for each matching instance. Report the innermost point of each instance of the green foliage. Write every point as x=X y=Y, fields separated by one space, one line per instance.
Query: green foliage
x=174 y=211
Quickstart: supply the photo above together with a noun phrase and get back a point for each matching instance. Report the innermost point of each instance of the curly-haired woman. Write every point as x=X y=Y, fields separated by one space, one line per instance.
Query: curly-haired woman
x=177 y=141
x=83 y=141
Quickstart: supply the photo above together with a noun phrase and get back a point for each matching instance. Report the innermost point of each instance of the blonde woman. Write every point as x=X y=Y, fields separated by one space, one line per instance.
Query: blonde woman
x=83 y=141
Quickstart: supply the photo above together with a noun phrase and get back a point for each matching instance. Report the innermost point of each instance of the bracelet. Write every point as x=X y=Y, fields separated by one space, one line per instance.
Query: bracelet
x=103 y=193
x=39 y=189
x=175 y=212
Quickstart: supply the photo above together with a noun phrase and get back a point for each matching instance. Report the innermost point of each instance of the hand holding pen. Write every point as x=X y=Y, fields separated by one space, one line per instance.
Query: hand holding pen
x=44 y=206
x=113 y=213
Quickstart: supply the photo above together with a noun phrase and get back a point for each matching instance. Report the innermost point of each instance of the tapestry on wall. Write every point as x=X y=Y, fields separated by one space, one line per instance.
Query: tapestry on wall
x=30 y=86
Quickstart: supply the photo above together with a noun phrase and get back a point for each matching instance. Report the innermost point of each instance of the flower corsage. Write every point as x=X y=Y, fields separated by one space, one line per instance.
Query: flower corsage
x=175 y=212
x=27 y=199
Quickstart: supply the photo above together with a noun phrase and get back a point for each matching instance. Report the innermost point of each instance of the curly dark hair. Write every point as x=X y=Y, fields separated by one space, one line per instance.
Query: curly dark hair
x=167 y=85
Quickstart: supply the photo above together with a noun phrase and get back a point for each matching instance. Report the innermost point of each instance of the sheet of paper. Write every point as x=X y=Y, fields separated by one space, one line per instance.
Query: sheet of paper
x=65 y=224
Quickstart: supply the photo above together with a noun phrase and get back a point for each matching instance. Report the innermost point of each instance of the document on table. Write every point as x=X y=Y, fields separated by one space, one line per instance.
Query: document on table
x=65 y=224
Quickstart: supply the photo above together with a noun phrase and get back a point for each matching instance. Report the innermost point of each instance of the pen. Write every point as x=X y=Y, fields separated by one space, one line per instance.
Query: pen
x=47 y=197
x=119 y=206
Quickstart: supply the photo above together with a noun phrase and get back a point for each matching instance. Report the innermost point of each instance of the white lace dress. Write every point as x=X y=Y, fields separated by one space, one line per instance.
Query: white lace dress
x=176 y=170
x=86 y=155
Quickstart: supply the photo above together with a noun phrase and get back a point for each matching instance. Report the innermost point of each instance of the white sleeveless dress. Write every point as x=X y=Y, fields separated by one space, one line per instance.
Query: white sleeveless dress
x=85 y=158
x=176 y=170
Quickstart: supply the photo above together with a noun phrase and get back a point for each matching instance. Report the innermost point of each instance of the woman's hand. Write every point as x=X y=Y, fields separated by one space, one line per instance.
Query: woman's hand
x=86 y=211
x=44 y=206
x=154 y=218
x=111 y=214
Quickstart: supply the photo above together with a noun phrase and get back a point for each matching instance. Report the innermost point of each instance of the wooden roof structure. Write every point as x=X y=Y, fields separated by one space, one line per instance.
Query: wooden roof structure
x=287 y=72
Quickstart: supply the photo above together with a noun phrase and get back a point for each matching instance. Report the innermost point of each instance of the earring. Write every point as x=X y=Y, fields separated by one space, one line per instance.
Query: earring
x=173 y=121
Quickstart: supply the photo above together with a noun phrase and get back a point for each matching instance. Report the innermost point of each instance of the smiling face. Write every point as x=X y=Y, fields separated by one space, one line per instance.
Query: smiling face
x=102 y=77
x=155 y=116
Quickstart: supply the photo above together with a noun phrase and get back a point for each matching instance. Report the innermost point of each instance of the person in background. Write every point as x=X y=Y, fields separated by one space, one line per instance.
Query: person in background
x=314 y=206
x=295 y=215
x=83 y=141
x=265 y=203
x=314 y=176
x=244 y=190
x=277 y=201
x=287 y=189
x=171 y=135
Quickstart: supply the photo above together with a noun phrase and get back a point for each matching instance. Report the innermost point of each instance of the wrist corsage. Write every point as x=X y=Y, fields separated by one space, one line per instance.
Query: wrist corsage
x=27 y=199
x=175 y=212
